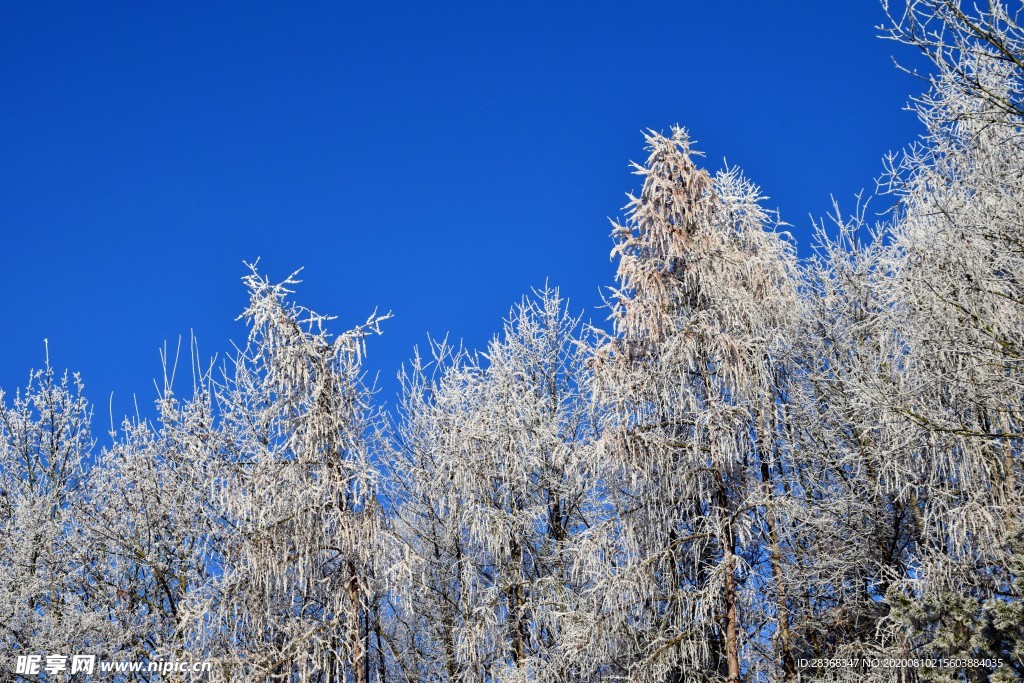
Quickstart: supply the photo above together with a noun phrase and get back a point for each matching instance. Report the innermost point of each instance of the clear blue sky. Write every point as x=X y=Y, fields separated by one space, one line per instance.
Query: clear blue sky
x=433 y=159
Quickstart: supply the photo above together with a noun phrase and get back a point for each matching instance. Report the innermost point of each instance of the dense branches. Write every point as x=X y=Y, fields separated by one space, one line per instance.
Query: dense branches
x=705 y=296
x=762 y=466
x=493 y=488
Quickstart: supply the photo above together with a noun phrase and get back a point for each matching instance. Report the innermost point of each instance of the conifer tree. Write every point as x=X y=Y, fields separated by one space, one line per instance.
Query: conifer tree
x=294 y=496
x=704 y=295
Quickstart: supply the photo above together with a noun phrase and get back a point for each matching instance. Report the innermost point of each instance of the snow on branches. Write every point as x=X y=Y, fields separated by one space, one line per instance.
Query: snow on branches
x=766 y=470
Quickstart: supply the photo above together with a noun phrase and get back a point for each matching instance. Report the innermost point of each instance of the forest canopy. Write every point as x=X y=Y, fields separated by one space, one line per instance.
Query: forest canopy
x=763 y=469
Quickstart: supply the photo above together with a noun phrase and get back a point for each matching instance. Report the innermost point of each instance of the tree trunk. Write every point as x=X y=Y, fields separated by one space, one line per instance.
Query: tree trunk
x=732 y=647
x=775 y=557
x=359 y=672
x=732 y=653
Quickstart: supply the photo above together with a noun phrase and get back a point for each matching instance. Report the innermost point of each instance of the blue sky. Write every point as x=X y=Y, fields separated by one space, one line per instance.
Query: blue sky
x=435 y=160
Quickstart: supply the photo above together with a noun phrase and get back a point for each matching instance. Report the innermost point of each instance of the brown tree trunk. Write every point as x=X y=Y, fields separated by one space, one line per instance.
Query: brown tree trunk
x=785 y=640
x=732 y=647
x=360 y=674
x=732 y=644
x=515 y=602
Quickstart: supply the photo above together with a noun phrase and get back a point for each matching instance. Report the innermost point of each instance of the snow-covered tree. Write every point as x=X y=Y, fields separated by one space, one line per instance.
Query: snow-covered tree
x=854 y=528
x=292 y=491
x=494 y=487
x=957 y=301
x=45 y=447
x=145 y=531
x=705 y=295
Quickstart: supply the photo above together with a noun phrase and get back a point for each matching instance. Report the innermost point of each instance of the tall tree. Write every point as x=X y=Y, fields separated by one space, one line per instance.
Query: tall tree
x=704 y=295
x=856 y=527
x=293 y=491
x=958 y=303
x=494 y=488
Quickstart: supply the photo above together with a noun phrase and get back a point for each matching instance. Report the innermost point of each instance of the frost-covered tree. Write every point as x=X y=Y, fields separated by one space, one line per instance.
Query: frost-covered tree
x=145 y=531
x=975 y=51
x=494 y=487
x=45 y=447
x=855 y=530
x=910 y=436
x=957 y=301
x=292 y=493
x=705 y=295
